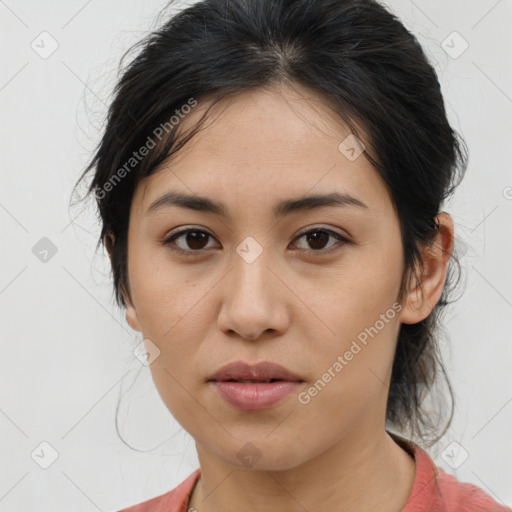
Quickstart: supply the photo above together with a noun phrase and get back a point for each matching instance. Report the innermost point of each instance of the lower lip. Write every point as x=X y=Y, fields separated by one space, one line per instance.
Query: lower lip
x=255 y=397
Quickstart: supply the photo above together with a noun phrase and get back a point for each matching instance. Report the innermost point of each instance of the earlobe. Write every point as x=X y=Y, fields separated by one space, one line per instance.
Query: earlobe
x=132 y=318
x=422 y=298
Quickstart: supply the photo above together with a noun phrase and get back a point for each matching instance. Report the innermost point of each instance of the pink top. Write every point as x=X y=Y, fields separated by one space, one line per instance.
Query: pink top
x=433 y=490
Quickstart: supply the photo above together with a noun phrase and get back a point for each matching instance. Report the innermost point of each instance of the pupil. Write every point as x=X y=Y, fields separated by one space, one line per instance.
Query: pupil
x=317 y=236
x=198 y=236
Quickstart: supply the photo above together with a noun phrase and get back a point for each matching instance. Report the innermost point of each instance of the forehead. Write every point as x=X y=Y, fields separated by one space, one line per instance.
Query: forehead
x=264 y=144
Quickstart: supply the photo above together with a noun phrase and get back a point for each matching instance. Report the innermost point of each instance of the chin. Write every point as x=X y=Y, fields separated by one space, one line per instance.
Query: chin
x=262 y=453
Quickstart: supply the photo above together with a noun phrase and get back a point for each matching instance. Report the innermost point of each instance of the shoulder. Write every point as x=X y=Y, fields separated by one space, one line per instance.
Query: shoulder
x=434 y=489
x=465 y=497
x=175 y=500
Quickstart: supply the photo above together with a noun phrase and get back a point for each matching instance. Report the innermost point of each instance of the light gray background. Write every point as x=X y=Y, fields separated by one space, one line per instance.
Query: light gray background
x=67 y=350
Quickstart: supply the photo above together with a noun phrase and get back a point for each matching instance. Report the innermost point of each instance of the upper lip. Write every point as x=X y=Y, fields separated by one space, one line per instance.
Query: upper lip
x=263 y=371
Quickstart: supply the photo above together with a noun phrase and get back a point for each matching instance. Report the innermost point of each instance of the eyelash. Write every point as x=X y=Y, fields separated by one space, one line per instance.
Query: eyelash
x=315 y=253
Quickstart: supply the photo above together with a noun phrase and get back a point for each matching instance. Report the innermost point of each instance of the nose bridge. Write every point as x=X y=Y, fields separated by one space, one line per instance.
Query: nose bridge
x=250 y=278
x=250 y=303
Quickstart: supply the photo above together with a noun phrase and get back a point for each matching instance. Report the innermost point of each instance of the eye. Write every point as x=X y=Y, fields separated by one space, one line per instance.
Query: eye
x=318 y=238
x=192 y=241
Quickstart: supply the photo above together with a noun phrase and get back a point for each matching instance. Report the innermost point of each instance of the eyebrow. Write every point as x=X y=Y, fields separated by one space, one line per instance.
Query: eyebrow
x=285 y=207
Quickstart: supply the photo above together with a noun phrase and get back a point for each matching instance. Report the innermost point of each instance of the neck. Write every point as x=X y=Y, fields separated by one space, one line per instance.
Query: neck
x=359 y=473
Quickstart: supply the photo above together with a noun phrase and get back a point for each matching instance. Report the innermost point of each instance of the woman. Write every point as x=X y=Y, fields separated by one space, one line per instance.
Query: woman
x=270 y=183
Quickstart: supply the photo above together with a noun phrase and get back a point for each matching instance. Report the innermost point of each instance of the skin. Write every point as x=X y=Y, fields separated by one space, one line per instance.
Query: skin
x=287 y=306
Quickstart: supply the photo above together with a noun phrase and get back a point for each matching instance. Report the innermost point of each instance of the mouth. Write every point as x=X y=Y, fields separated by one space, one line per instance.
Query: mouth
x=255 y=381
x=254 y=387
x=264 y=372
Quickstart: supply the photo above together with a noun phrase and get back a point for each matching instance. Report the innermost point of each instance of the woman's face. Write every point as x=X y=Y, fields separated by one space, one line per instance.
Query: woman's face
x=252 y=287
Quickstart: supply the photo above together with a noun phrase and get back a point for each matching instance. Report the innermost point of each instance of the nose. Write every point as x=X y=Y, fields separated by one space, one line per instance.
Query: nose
x=254 y=301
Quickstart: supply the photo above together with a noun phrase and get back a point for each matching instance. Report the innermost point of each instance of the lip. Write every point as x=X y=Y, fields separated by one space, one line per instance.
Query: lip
x=263 y=371
x=231 y=381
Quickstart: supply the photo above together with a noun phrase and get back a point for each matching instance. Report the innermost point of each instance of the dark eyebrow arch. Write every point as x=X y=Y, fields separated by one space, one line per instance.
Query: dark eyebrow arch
x=285 y=207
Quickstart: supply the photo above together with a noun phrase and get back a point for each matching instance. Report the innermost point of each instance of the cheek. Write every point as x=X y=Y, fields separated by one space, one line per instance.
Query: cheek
x=163 y=294
x=173 y=379
x=359 y=360
x=357 y=295
x=354 y=361
x=351 y=381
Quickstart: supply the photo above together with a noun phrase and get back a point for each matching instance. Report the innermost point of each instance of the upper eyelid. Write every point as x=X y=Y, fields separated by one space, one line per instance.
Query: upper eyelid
x=303 y=231
x=318 y=228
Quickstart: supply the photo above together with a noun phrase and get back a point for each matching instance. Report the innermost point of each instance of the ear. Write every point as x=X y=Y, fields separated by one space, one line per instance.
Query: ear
x=420 y=300
x=132 y=317
x=131 y=313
